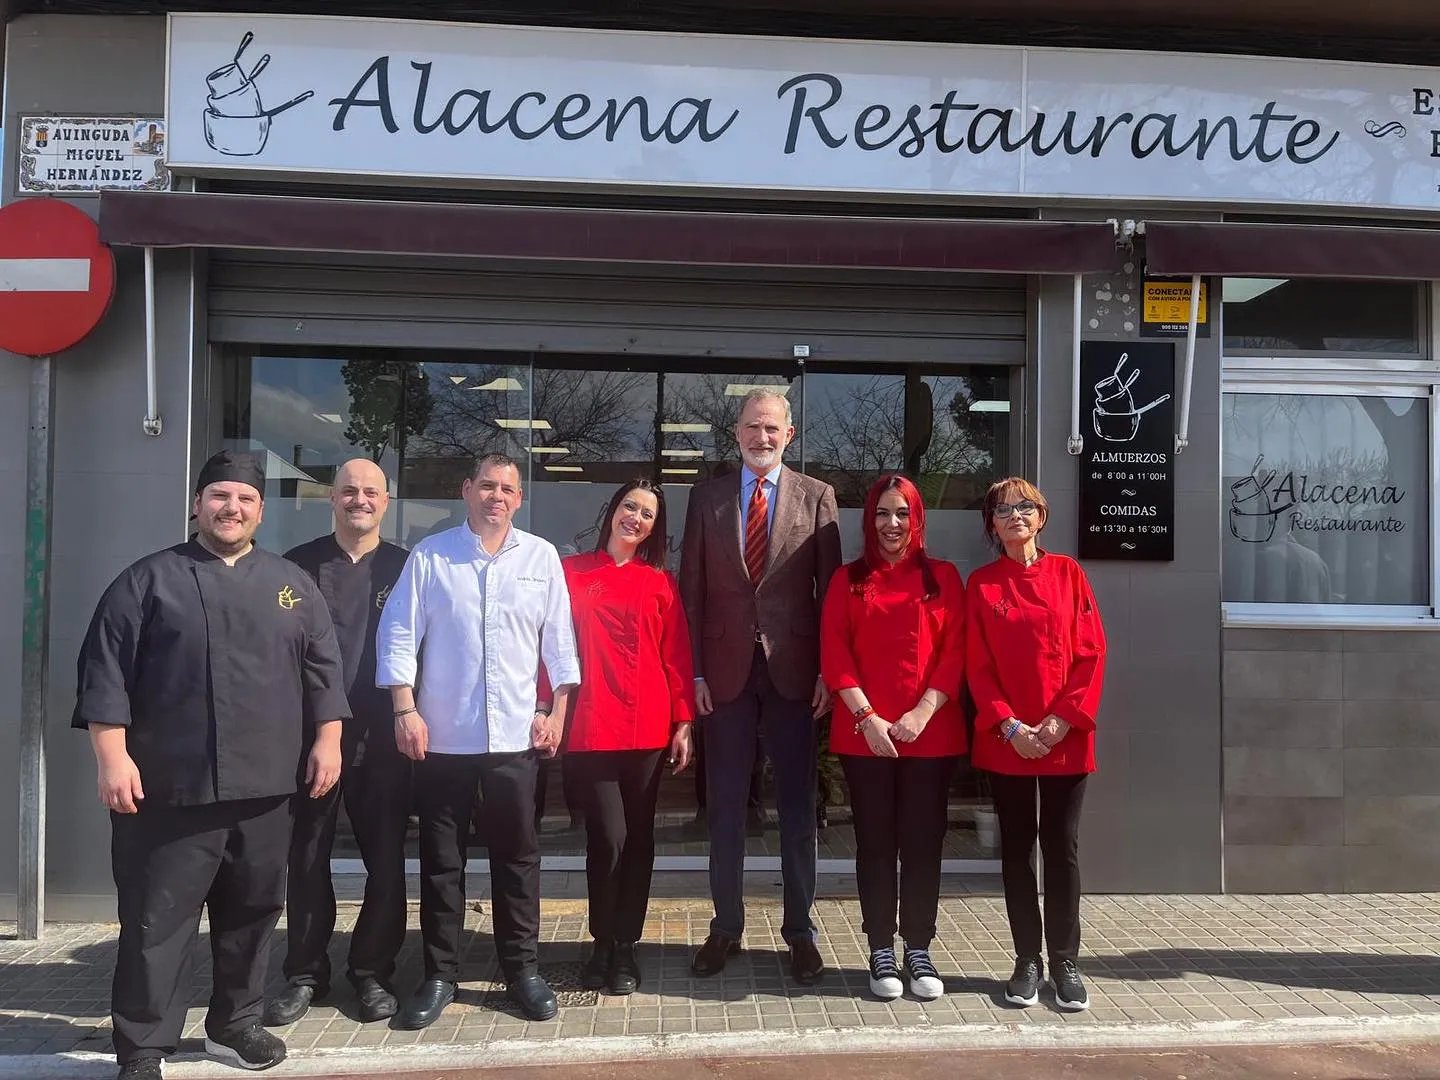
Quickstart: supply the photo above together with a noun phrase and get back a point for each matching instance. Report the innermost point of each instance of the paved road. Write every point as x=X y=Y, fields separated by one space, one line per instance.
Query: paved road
x=1396 y=1061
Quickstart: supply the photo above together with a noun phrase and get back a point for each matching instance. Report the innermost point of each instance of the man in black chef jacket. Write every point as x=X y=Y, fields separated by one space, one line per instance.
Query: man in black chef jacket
x=205 y=670
x=355 y=571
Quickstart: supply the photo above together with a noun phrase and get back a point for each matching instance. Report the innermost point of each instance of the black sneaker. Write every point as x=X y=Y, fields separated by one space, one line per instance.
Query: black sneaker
x=254 y=1049
x=597 y=968
x=885 y=981
x=147 y=1068
x=1023 y=989
x=1070 y=992
x=925 y=981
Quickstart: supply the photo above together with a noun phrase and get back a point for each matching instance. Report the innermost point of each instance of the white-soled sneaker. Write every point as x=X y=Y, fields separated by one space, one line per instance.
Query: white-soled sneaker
x=1023 y=989
x=885 y=981
x=254 y=1049
x=1070 y=992
x=925 y=981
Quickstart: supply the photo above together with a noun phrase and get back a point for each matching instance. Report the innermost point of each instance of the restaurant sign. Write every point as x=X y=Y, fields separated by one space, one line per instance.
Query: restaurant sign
x=464 y=102
x=67 y=154
x=1127 y=467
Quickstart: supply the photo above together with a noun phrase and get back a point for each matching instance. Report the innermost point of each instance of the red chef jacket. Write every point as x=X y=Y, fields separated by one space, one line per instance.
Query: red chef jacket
x=636 y=674
x=1036 y=647
x=886 y=638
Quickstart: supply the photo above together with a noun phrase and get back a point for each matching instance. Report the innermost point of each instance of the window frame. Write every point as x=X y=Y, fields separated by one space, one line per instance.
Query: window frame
x=1423 y=329
x=1422 y=382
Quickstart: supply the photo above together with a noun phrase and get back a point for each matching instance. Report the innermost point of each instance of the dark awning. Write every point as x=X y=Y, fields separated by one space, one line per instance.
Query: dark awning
x=286 y=223
x=1237 y=249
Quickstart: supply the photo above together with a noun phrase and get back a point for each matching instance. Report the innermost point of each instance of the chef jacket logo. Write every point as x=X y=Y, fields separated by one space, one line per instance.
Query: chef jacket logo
x=287 y=598
x=1115 y=416
x=1001 y=608
x=237 y=124
x=382 y=596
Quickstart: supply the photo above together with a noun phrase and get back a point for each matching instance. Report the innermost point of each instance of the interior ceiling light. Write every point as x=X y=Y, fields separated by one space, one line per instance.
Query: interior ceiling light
x=682 y=453
x=531 y=425
x=1242 y=290
x=328 y=417
x=681 y=472
x=457 y=379
x=990 y=406
x=504 y=383
x=685 y=429
x=549 y=449
x=564 y=468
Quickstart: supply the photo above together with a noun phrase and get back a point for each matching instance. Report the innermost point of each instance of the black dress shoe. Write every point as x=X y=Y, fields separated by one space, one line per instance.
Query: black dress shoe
x=425 y=1007
x=710 y=958
x=805 y=963
x=376 y=1002
x=597 y=968
x=624 y=974
x=534 y=996
x=292 y=1003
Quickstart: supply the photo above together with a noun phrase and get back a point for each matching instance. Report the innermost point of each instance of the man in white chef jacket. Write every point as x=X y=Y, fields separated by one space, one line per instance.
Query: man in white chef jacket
x=477 y=607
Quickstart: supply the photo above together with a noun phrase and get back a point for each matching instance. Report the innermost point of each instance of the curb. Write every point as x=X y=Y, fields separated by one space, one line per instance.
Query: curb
x=508 y=1053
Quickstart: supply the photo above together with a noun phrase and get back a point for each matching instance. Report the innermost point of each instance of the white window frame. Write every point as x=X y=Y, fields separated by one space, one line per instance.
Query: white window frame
x=1415 y=384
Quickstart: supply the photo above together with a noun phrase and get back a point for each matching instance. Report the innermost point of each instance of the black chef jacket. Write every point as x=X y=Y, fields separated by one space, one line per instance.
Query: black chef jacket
x=355 y=592
x=216 y=670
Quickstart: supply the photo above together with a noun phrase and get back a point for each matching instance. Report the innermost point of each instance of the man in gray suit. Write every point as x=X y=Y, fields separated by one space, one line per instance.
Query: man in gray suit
x=759 y=549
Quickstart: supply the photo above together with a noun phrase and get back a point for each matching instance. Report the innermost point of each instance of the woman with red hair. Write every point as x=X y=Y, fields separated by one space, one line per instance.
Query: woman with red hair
x=892 y=649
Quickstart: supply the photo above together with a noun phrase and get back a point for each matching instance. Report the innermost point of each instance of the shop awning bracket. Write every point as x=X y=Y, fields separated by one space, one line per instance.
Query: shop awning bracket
x=151 y=424
x=1076 y=442
x=1182 y=434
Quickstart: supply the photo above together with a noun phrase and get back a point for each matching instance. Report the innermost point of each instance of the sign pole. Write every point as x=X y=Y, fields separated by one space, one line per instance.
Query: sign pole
x=35 y=640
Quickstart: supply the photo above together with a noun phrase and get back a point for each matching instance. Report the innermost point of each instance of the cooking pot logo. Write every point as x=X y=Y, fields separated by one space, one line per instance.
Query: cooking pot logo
x=1116 y=417
x=1252 y=514
x=237 y=123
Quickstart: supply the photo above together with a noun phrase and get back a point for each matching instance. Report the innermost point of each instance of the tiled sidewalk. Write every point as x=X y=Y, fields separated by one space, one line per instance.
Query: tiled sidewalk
x=1151 y=962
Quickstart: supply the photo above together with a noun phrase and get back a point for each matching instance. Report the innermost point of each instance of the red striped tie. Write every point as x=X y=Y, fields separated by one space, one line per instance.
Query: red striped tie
x=756 y=534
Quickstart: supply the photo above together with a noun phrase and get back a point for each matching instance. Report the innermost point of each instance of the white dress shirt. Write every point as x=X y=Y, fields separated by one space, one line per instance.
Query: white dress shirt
x=475 y=627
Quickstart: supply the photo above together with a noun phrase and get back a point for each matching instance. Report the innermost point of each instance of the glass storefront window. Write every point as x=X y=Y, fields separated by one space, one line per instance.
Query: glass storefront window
x=1319 y=316
x=581 y=426
x=1327 y=499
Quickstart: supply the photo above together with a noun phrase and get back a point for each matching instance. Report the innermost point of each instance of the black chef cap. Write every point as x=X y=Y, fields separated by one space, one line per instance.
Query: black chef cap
x=233 y=466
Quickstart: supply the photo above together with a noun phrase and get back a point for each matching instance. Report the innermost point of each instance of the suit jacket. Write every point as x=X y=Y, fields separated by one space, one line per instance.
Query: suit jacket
x=726 y=611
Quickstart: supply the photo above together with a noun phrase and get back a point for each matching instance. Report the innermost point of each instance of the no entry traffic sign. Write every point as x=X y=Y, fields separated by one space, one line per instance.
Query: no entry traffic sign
x=56 y=277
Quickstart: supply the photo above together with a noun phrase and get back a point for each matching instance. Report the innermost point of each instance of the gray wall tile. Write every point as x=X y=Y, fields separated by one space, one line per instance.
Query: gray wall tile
x=1257 y=639
x=1391 y=723
x=1285 y=675
x=1278 y=725
x=1391 y=675
x=1401 y=821
x=1308 y=773
x=1176 y=613
x=1426 y=641
x=1407 y=770
x=1251 y=820
x=1383 y=868
x=1284 y=869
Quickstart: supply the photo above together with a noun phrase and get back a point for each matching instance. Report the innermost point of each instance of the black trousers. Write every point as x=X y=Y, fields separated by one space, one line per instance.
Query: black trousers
x=1058 y=827
x=376 y=789
x=169 y=863
x=617 y=790
x=788 y=731
x=446 y=787
x=899 y=807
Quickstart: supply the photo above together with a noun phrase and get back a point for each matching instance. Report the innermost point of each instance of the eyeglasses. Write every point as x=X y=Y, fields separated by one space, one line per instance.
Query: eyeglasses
x=1004 y=510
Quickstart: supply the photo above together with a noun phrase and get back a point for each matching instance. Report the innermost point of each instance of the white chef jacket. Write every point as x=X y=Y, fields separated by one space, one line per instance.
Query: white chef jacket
x=475 y=626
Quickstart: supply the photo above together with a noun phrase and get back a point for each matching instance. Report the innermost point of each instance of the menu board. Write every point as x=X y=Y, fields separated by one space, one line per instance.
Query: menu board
x=1127 y=468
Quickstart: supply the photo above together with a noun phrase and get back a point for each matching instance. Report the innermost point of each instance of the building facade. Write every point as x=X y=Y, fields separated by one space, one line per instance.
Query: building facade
x=419 y=241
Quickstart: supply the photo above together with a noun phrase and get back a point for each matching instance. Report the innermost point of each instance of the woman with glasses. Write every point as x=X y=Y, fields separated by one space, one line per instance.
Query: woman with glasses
x=892 y=649
x=631 y=715
x=1035 y=662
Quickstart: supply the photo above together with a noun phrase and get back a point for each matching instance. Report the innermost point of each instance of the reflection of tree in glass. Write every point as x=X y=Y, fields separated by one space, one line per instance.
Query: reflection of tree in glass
x=378 y=412
x=594 y=414
x=702 y=400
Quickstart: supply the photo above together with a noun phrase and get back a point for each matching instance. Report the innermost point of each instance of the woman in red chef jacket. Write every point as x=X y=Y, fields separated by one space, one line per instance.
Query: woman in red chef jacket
x=631 y=715
x=892 y=649
x=1036 y=658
